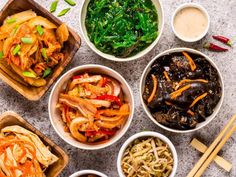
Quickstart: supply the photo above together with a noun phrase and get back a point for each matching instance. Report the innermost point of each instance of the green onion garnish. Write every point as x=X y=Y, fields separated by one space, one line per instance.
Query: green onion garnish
x=15 y=29
x=27 y=40
x=16 y=50
x=40 y=30
x=44 y=53
x=47 y=72
x=70 y=2
x=1 y=54
x=11 y=20
x=29 y=74
x=63 y=12
x=53 y=6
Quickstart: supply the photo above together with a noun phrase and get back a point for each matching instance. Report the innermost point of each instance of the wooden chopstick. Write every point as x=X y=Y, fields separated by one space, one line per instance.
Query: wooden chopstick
x=198 y=145
x=215 y=152
x=211 y=148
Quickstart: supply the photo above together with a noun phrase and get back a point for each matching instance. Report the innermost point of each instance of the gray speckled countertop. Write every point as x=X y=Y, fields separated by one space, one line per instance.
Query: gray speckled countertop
x=223 y=21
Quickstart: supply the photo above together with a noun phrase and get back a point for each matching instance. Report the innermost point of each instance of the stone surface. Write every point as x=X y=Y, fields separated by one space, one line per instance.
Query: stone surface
x=223 y=21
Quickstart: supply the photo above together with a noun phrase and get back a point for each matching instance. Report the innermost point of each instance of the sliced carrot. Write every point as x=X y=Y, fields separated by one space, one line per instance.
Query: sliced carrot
x=190 y=112
x=154 y=90
x=190 y=60
x=198 y=99
x=168 y=103
x=189 y=80
x=177 y=93
x=166 y=76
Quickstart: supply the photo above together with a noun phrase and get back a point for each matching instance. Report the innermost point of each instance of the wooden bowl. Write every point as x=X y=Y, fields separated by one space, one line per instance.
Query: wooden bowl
x=69 y=49
x=10 y=118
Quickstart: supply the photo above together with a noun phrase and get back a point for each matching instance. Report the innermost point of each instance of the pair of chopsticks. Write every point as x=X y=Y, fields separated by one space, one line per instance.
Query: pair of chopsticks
x=213 y=149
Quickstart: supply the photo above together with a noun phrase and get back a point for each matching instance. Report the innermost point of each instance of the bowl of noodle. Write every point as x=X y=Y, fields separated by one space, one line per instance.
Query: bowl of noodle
x=147 y=154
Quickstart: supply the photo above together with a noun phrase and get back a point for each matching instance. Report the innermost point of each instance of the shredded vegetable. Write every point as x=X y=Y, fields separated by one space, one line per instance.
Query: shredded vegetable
x=148 y=157
x=93 y=107
x=23 y=154
x=121 y=28
x=32 y=44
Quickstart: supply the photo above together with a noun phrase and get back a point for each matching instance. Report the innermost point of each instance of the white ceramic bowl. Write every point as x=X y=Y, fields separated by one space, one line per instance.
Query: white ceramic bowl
x=88 y=172
x=195 y=5
x=159 y=7
x=142 y=84
x=55 y=116
x=142 y=135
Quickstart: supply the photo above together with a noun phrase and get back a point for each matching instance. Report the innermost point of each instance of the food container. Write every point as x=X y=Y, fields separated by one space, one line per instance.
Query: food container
x=10 y=118
x=159 y=8
x=88 y=172
x=55 y=115
x=142 y=135
x=70 y=48
x=201 y=9
x=199 y=125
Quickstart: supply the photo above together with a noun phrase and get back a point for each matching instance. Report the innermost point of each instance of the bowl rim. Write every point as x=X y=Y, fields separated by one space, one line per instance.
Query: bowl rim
x=209 y=118
x=147 y=134
x=124 y=128
x=112 y=57
x=186 y=5
x=84 y=172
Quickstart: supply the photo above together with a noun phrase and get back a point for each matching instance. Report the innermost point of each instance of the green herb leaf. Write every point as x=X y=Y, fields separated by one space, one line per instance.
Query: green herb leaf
x=11 y=20
x=44 y=53
x=63 y=12
x=1 y=55
x=47 y=72
x=16 y=49
x=29 y=74
x=53 y=6
x=27 y=40
x=40 y=30
x=70 y=2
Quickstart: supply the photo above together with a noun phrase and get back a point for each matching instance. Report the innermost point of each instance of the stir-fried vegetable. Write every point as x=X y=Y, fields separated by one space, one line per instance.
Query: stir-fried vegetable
x=32 y=46
x=147 y=157
x=93 y=107
x=22 y=153
x=122 y=28
x=182 y=90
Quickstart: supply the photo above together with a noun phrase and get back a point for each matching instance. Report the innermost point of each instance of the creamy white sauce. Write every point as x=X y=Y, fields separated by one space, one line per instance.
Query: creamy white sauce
x=190 y=23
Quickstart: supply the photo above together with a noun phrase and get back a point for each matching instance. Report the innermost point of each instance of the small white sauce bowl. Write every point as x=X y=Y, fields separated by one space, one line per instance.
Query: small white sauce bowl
x=88 y=172
x=142 y=86
x=160 y=12
x=55 y=115
x=186 y=5
x=142 y=135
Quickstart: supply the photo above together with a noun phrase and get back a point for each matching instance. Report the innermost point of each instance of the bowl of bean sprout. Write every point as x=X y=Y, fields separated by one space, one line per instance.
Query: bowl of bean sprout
x=147 y=154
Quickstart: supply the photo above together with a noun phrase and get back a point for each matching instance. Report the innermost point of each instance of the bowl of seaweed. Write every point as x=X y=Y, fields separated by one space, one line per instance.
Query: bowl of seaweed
x=121 y=30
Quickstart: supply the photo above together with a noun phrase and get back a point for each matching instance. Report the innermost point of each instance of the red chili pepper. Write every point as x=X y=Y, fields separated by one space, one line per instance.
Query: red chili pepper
x=223 y=39
x=110 y=98
x=77 y=77
x=214 y=47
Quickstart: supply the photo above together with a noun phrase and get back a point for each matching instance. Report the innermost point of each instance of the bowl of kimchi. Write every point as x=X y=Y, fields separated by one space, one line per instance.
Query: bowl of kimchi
x=91 y=107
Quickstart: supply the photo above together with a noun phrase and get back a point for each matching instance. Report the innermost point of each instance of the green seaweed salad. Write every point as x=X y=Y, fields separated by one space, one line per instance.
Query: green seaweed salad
x=121 y=27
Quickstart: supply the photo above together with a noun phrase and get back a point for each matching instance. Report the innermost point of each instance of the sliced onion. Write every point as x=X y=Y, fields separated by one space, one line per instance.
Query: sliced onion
x=100 y=103
x=116 y=86
x=110 y=87
x=91 y=79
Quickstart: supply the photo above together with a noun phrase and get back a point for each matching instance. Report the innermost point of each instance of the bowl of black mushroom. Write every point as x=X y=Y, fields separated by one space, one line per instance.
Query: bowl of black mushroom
x=181 y=90
x=121 y=30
